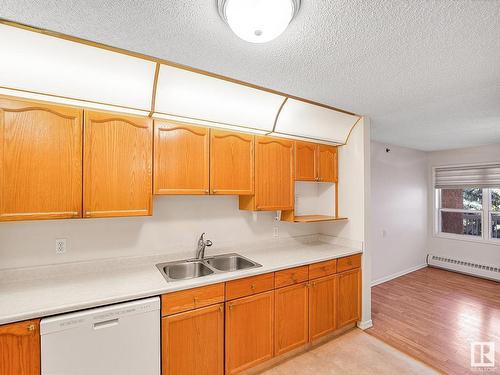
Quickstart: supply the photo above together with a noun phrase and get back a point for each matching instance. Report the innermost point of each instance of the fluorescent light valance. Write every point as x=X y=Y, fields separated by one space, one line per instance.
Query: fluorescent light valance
x=43 y=64
x=307 y=120
x=50 y=67
x=461 y=177
x=191 y=95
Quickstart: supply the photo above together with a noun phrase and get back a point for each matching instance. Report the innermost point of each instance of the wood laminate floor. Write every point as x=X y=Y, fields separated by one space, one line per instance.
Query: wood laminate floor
x=433 y=315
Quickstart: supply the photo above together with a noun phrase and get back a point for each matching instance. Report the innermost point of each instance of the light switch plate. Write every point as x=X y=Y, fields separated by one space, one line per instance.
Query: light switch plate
x=60 y=245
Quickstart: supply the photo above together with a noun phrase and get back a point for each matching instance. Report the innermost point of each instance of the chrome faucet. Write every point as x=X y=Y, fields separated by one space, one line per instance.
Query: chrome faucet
x=202 y=244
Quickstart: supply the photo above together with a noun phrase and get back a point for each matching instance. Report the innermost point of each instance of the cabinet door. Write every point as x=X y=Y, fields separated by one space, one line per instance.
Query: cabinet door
x=20 y=348
x=306 y=168
x=327 y=171
x=274 y=182
x=291 y=318
x=193 y=342
x=349 y=297
x=181 y=158
x=249 y=331
x=117 y=165
x=40 y=162
x=322 y=306
x=231 y=163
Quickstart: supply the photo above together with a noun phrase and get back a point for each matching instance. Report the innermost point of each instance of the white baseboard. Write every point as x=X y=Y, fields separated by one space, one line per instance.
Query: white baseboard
x=397 y=274
x=365 y=324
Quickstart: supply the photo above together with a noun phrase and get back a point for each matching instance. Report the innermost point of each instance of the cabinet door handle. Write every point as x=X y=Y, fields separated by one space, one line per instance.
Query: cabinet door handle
x=207 y=191
x=252 y=287
x=31 y=328
x=214 y=191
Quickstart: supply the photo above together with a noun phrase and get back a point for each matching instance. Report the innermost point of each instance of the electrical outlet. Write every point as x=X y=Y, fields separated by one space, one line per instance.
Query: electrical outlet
x=60 y=245
x=276 y=231
x=276 y=227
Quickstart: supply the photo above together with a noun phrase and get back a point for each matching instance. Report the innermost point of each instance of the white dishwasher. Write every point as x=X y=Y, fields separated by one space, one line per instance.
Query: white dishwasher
x=122 y=339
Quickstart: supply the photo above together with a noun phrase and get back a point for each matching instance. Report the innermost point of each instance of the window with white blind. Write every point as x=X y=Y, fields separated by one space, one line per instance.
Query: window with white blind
x=468 y=202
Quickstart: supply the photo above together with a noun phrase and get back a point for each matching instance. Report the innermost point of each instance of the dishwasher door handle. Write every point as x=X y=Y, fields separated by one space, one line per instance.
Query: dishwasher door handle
x=106 y=324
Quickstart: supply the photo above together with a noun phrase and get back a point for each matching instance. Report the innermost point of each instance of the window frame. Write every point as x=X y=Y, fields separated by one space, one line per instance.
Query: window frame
x=490 y=212
x=486 y=222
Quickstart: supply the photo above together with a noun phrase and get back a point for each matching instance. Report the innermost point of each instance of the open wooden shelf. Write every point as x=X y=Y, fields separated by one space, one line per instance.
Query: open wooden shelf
x=315 y=218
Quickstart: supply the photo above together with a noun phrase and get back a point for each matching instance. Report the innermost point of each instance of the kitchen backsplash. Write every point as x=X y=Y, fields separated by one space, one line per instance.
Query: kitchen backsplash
x=175 y=226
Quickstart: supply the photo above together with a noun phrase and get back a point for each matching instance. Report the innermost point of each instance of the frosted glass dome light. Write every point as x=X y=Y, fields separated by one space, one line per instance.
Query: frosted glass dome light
x=258 y=21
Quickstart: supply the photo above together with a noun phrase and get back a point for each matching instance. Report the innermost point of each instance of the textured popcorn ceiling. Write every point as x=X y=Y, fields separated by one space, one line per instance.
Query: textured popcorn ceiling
x=426 y=72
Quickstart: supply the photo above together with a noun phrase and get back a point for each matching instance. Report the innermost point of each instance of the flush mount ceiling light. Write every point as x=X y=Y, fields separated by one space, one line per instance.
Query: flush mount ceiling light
x=258 y=21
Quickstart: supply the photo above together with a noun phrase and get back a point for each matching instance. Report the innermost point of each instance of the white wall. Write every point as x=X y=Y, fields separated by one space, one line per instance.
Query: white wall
x=398 y=210
x=351 y=188
x=175 y=226
x=467 y=250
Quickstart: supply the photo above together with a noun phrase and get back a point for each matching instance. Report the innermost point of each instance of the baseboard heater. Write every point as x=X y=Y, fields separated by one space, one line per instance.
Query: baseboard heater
x=486 y=271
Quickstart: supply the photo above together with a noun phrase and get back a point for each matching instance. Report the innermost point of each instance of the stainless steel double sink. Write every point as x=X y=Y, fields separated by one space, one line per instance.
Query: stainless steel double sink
x=194 y=268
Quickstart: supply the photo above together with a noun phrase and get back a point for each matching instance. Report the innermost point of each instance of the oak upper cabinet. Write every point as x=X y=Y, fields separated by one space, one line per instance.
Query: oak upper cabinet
x=181 y=158
x=349 y=297
x=328 y=165
x=20 y=348
x=322 y=306
x=40 y=161
x=306 y=161
x=117 y=165
x=315 y=162
x=274 y=184
x=193 y=342
x=291 y=318
x=249 y=331
x=231 y=163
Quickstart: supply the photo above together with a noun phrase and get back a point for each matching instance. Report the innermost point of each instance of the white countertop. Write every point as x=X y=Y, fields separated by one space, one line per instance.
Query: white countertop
x=48 y=290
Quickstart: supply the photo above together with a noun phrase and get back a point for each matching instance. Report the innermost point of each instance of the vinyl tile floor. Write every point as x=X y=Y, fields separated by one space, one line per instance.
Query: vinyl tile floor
x=355 y=353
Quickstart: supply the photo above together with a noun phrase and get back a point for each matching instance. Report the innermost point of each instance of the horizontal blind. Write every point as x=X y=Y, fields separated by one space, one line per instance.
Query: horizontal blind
x=478 y=176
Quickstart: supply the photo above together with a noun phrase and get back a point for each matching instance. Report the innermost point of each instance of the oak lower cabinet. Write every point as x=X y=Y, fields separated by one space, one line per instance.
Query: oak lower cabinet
x=349 y=297
x=181 y=158
x=231 y=162
x=291 y=318
x=20 y=348
x=274 y=176
x=322 y=306
x=249 y=331
x=117 y=165
x=193 y=342
x=40 y=161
